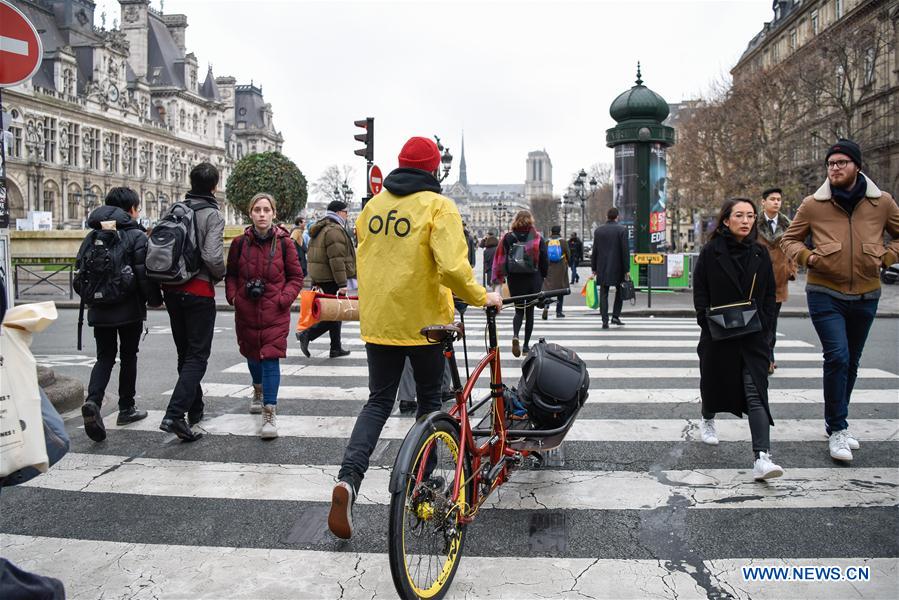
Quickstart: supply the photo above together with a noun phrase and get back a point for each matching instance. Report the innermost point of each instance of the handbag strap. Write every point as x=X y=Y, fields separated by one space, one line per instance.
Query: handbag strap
x=752 y=288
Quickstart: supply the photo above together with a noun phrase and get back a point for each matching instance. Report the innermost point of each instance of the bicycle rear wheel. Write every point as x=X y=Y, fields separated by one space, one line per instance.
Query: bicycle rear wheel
x=425 y=535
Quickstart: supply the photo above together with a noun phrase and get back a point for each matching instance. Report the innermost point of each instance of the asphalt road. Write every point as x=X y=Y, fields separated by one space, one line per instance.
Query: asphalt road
x=633 y=505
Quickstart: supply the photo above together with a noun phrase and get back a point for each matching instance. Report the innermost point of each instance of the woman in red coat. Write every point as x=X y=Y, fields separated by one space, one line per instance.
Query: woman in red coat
x=263 y=279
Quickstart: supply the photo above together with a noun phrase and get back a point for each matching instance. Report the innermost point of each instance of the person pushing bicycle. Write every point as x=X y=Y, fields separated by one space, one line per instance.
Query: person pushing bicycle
x=412 y=257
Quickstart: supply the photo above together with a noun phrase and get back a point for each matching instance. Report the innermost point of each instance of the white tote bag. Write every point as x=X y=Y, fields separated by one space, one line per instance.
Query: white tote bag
x=21 y=427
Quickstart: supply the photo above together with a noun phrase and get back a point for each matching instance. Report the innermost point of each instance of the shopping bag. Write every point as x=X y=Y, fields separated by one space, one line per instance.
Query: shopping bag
x=591 y=297
x=21 y=425
x=306 y=320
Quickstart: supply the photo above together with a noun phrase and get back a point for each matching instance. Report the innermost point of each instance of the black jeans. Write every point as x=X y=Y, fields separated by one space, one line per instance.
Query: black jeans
x=332 y=327
x=773 y=332
x=604 y=302
x=193 y=321
x=108 y=339
x=759 y=425
x=385 y=368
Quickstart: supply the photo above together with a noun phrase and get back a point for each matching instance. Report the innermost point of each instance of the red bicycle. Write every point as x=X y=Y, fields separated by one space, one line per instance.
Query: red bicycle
x=447 y=468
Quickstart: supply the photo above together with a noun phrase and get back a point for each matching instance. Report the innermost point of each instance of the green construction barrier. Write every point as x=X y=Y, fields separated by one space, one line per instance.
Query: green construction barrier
x=671 y=282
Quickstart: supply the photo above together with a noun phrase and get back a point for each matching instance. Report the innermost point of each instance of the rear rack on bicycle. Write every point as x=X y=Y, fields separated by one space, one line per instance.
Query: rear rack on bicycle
x=522 y=436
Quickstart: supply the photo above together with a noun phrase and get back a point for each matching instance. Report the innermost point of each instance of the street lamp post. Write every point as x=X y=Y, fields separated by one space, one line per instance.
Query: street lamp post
x=446 y=159
x=581 y=194
x=87 y=202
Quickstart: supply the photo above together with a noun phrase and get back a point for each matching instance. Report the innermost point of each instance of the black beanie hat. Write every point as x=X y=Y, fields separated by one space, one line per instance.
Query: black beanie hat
x=336 y=206
x=555 y=230
x=847 y=147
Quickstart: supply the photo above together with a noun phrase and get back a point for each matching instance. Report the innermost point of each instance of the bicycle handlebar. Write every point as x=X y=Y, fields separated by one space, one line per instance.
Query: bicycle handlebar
x=538 y=296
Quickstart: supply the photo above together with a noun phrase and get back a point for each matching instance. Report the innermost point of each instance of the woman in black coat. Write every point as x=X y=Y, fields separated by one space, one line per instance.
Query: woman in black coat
x=521 y=260
x=731 y=268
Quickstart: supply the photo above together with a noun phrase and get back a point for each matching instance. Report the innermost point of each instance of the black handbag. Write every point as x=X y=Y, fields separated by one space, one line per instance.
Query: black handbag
x=627 y=291
x=731 y=321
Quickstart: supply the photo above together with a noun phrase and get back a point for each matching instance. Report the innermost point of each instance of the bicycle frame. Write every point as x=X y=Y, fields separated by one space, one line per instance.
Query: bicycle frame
x=494 y=451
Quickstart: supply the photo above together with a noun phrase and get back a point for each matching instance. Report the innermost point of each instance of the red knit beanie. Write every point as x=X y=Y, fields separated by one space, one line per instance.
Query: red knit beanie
x=420 y=153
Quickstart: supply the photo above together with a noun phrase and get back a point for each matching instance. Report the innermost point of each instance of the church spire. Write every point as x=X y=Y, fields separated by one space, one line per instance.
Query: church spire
x=463 y=174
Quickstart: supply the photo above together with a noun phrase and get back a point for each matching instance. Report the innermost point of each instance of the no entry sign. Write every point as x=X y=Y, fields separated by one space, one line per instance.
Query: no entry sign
x=20 y=46
x=376 y=180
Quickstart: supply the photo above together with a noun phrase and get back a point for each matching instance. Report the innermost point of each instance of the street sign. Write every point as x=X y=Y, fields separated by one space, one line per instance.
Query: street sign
x=649 y=259
x=20 y=46
x=375 y=180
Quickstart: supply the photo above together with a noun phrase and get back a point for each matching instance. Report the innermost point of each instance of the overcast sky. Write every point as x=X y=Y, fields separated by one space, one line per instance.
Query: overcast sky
x=516 y=76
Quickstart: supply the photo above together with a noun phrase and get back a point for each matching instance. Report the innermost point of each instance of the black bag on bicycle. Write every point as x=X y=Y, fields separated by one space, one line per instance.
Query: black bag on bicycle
x=553 y=385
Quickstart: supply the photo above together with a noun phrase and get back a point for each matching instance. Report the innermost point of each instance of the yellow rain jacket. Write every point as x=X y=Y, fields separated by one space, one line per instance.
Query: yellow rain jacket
x=412 y=257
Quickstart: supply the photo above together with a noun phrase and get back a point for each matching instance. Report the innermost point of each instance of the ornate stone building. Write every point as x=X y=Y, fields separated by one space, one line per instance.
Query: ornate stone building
x=858 y=93
x=124 y=107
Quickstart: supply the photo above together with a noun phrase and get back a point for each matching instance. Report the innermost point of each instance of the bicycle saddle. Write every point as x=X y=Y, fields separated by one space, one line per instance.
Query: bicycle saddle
x=437 y=333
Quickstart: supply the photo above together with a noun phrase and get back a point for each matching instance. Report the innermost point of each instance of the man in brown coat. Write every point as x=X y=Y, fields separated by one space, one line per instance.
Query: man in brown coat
x=332 y=267
x=772 y=225
x=846 y=217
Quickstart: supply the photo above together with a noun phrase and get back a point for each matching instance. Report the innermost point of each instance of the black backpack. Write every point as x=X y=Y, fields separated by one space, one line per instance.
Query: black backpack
x=554 y=384
x=103 y=271
x=520 y=260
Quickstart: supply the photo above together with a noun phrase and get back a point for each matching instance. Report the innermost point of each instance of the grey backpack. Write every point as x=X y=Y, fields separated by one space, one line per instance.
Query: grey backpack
x=173 y=253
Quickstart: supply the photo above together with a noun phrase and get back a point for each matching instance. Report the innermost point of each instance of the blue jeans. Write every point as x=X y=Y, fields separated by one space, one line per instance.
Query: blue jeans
x=574 y=275
x=842 y=327
x=268 y=373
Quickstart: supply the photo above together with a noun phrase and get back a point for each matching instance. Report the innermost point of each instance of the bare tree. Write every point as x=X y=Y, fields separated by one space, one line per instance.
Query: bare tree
x=545 y=210
x=334 y=184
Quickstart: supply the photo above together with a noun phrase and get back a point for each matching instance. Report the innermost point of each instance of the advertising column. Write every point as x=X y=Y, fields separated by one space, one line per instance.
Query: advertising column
x=625 y=198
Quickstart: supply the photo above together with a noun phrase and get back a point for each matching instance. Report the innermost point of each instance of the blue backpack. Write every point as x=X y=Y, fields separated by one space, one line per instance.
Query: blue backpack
x=554 y=250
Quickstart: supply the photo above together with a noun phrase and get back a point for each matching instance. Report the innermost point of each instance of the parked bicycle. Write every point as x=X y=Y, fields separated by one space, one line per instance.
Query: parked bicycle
x=447 y=468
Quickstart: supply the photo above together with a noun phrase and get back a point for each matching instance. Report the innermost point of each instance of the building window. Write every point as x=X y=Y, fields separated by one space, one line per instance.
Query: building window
x=870 y=63
x=816 y=24
x=816 y=146
x=74 y=203
x=195 y=121
x=50 y=139
x=48 y=200
x=17 y=135
x=838 y=9
x=68 y=82
x=182 y=119
x=841 y=80
x=129 y=156
x=73 y=137
x=775 y=51
x=115 y=152
x=794 y=40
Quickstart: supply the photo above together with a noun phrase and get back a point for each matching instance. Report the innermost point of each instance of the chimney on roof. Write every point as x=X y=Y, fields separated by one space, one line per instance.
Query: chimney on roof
x=135 y=27
x=176 y=24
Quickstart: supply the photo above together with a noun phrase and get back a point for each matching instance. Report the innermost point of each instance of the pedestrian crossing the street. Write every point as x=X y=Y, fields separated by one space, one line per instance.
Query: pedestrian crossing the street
x=633 y=505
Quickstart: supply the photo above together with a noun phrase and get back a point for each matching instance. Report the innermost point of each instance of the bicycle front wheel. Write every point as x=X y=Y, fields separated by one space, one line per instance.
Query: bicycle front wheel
x=426 y=533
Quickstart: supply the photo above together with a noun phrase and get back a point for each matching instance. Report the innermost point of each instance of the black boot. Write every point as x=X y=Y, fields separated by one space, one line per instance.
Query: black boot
x=93 y=421
x=130 y=415
x=339 y=352
x=303 y=336
x=180 y=428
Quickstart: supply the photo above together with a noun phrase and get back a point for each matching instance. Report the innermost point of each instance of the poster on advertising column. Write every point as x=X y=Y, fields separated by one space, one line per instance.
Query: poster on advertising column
x=625 y=198
x=658 y=196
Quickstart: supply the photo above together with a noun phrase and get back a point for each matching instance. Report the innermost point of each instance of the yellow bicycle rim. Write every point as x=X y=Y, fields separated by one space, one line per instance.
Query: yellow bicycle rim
x=453 y=554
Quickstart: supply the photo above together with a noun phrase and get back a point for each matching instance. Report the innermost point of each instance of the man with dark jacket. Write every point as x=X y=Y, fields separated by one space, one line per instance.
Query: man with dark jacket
x=191 y=306
x=847 y=218
x=576 y=248
x=332 y=266
x=117 y=327
x=489 y=245
x=299 y=241
x=610 y=263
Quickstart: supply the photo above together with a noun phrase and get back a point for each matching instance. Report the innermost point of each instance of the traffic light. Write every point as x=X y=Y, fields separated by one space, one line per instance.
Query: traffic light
x=367 y=138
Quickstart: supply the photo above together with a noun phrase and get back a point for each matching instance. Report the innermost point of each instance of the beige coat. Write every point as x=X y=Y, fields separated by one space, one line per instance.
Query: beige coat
x=784 y=268
x=850 y=251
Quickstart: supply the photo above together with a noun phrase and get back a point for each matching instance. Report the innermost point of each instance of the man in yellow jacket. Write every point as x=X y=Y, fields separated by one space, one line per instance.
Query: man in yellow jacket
x=412 y=257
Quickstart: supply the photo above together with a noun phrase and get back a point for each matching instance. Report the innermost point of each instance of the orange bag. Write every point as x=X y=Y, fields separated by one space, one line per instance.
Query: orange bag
x=307 y=318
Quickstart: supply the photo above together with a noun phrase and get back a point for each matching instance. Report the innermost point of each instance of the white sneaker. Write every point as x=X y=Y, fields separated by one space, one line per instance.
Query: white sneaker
x=269 y=429
x=764 y=468
x=707 y=432
x=256 y=400
x=839 y=445
x=851 y=441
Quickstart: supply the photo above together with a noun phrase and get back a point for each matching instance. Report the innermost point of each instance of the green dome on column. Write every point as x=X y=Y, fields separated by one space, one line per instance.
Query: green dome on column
x=639 y=113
